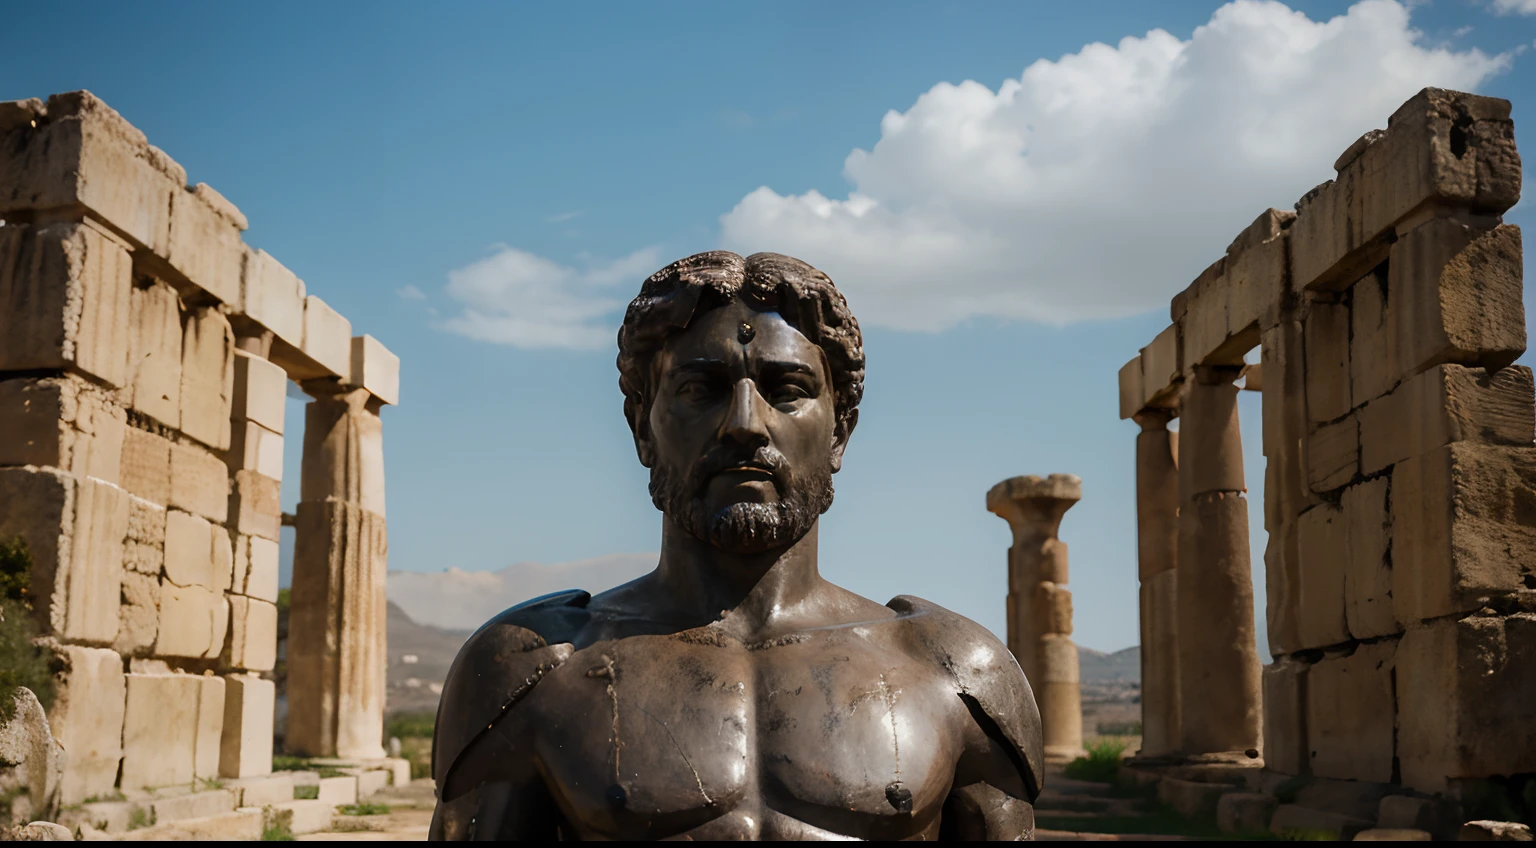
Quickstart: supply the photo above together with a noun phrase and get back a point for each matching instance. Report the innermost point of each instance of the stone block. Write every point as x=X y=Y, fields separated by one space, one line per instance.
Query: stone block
x=82 y=154
x=309 y=816
x=1296 y=821
x=1405 y=812
x=1441 y=148
x=65 y=300
x=399 y=771
x=62 y=422
x=1327 y=361
x=1372 y=372
x=1385 y=834
x=199 y=482
x=262 y=570
x=1256 y=273
x=1333 y=454
x=1245 y=812
x=1494 y=831
x=370 y=782
x=188 y=551
x=139 y=614
x=1464 y=691
x=1205 y=324
x=246 y=749
x=338 y=790
x=193 y=621
x=233 y=826
x=273 y=297
x=210 y=729
x=1190 y=798
x=256 y=448
x=207 y=377
x=1368 y=576
x=265 y=790
x=144 y=546
x=1455 y=295
x=1349 y=705
x=1130 y=388
x=1323 y=545
x=154 y=357
x=252 y=635
x=146 y=466
x=1053 y=608
x=261 y=390
x=159 y=730
x=255 y=506
x=1462 y=528
x=375 y=368
x=1282 y=583
x=205 y=246
x=87 y=719
x=1445 y=404
x=193 y=805
x=326 y=350
x=1161 y=369
x=223 y=559
x=1285 y=716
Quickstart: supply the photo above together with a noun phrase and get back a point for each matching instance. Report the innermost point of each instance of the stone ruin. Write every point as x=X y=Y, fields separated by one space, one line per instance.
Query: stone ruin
x=145 y=354
x=1399 y=484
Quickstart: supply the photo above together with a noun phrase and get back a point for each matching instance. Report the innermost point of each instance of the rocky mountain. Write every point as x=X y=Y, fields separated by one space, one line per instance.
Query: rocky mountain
x=455 y=599
x=1123 y=665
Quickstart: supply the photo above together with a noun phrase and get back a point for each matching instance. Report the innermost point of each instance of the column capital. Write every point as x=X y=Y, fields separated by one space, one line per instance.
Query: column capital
x=1153 y=420
x=1033 y=505
x=1216 y=375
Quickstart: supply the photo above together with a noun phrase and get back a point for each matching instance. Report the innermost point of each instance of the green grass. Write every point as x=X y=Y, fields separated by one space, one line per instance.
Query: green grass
x=410 y=725
x=105 y=797
x=1102 y=763
x=22 y=662
x=277 y=832
x=1119 y=728
x=363 y=809
x=330 y=771
x=208 y=784
x=306 y=793
x=139 y=817
x=288 y=762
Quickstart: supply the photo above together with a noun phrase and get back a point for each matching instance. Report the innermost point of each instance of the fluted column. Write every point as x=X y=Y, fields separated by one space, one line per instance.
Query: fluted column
x=1218 y=656
x=336 y=639
x=1157 y=536
x=1039 y=605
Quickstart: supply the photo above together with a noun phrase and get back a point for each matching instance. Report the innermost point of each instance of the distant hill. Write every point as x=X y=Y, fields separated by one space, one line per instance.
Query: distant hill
x=456 y=599
x=1123 y=665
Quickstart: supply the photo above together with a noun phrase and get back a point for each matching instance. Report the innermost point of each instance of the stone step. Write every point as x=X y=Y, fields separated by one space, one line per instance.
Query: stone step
x=307 y=816
x=245 y=825
x=276 y=788
x=193 y=805
x=1294 y=820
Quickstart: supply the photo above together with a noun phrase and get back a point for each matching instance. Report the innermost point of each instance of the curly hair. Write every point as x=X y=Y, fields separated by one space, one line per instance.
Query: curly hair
x=805 y=297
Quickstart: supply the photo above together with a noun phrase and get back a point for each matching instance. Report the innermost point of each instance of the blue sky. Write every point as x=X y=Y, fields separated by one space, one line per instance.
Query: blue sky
x=516 y=170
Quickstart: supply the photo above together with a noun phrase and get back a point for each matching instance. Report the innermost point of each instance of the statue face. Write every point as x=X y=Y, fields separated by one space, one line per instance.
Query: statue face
x=742 y=428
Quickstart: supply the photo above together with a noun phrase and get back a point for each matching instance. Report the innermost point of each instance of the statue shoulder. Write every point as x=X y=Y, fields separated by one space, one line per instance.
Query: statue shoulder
x=498 y=666
x=987 y=678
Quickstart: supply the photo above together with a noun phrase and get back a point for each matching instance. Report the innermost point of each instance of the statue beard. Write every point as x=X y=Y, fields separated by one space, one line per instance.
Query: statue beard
x=744 y=528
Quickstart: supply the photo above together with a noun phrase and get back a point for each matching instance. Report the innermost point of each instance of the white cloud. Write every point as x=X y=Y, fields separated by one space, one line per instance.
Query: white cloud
x=514 y=297
x=458 y=599
x=1100 y=184
x=1517 y=7
x=410 y=293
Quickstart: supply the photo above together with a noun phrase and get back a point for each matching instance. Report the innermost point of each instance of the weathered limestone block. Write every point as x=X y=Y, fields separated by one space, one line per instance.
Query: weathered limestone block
x=1218 y=467
x=261 y=390
x=246 y=747
x=1131 y=390
x=256 y=448
x=1368 y=576
x=160 y=729
x=1349 y=709
x=273 y=297
x=146 y=466
x=326 y=349
x=139 y=614
x=1494 y=831
x=1282 y=583
x=1256 y=273
x=1053 y=607
x=82 y=154
x=34 y=759
x=1060 y=696
x=193 y=621
x=253 y=635
x=336 y=649
x=1372 y=372
x=154 y=360
x=1462 y=528
x=339 y=790
x=210 y=727
x=1333 y=454
x=87 y=719
x=343 y=451
x=1245 y=812
x=1295 y=821
x=207 y=377
x=1445 y=404
x=1205 y=325
x=1286 y=749
x=1157 y=496
x=189 y=551
x=262 y=569
x=199 y=482
x=144 y=546
x=255 y=507
x=223 y=558
x=1053 y=561
x=1327 y=355
x=375 y=368
x=1287 y=422
x=64 y=300
x=1464 y=691
x=1441 y=148
x=205 y=246
x=1161 y=369
x=62 y=422
x=265 y=789
x=1405 y=812
x=1455 y=296
x=1323 y=542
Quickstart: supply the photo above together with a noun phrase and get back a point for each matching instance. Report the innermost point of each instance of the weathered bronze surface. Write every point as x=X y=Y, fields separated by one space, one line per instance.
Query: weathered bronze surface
x=733 y=693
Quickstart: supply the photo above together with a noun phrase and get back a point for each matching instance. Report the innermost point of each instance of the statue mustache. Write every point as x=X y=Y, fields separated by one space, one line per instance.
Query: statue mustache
x=715 y=462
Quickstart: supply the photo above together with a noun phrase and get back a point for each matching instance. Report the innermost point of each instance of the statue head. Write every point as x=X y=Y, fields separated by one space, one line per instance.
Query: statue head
x=741 y=381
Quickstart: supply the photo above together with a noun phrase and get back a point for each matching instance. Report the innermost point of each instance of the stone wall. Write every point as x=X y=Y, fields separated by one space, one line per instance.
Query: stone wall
x=145 y=353
x=1400 y=474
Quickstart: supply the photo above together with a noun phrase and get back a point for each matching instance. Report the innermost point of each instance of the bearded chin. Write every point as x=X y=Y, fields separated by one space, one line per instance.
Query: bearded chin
x=745 y=528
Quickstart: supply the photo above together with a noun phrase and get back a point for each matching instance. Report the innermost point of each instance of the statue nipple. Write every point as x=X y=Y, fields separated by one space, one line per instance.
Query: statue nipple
x=745 y=333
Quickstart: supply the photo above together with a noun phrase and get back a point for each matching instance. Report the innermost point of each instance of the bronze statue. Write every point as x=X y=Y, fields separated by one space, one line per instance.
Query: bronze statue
x=733 y=693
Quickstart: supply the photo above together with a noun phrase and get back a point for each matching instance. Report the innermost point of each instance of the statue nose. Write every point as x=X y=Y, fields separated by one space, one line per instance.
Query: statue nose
x=744 y=421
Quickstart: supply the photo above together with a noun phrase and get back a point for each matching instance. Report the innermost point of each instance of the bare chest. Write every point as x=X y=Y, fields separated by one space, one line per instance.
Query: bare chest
x=663 y=736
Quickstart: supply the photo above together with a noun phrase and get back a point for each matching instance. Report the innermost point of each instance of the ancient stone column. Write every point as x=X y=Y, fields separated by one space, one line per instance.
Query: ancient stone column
x=1039 y=607
x=336 y=647
x=1157 y=536
x=1218 y=657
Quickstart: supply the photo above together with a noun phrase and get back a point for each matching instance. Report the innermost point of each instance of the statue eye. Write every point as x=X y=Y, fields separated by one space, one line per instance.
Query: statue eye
x=694 y=389
x=789 y=393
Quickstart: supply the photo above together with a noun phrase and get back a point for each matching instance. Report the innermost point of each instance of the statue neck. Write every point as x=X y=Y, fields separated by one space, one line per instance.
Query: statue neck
x=753 y=593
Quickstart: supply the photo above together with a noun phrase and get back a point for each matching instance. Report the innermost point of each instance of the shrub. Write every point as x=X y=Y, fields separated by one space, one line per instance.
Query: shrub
x=22 y=663
x=1102 y=763
x=410 y=725
x=363 y=809
x=306 y=793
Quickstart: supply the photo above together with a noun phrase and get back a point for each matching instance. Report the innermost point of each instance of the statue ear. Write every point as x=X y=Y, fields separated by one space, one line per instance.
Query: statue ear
x=640 y=426
x=840 y=434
